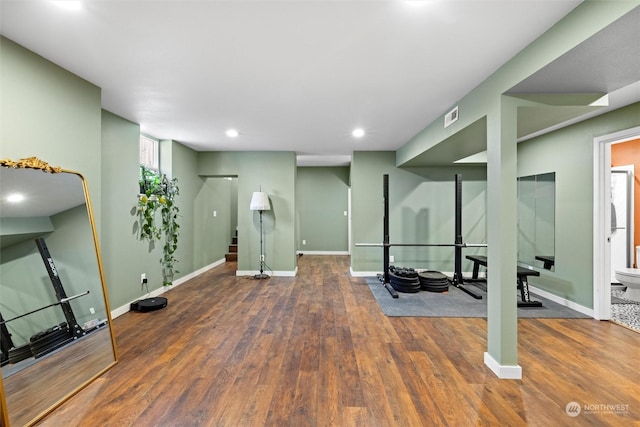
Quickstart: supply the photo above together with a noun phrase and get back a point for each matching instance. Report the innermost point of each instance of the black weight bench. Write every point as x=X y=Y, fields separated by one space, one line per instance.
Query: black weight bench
x=522 y=281
x=549 y=261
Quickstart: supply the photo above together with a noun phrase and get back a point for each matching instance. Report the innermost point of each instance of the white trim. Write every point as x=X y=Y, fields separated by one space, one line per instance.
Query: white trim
x=505 y=372
x=322 y=252
x=349 y=223
x=161 y=290
x=562 y=301
x=293 y=273
x=196 y=273
x=363 y=273
x=601 y=217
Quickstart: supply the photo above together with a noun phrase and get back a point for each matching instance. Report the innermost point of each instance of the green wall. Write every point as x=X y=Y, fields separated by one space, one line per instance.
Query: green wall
x=569 y=153
x=124 y=257
x=321 y=203
x=49 y=113
x=275 y=174
x=211 y=238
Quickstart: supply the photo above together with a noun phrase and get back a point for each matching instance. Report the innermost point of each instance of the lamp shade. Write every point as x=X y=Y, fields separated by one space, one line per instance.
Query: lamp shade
x=260 y=201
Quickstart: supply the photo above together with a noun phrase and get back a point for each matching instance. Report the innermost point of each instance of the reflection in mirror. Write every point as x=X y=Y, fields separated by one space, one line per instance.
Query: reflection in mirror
x=55 y=329
x=536 y=220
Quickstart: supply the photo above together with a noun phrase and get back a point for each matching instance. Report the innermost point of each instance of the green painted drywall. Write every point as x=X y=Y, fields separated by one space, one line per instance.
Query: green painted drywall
x=233 y=213
x=49 y=113
x=124 y=257
x=583 y=22
x=321 y=203
x=183 y=167
x=211 y=238
x=421 y=210
x=569 y=153
x=275 y=174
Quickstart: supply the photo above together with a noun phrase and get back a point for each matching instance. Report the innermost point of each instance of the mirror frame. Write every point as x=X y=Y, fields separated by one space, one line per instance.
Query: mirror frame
x=37 y=164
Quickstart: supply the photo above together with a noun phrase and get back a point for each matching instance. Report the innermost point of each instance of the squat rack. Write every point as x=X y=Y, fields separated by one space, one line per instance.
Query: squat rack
x=458 y=279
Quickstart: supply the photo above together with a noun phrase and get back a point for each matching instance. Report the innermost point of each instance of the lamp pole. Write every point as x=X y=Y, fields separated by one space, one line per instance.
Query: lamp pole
x=261 y=275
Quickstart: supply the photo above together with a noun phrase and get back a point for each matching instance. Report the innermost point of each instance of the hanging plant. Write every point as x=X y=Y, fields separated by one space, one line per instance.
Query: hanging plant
x=158 y=193
x=146 y=213
x=170 y=227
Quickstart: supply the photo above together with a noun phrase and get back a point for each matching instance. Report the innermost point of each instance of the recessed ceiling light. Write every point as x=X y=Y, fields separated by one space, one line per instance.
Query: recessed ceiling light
x=232 y=133
x=418 y=3
x=68 y=4
x=358 y=133
x=15 y=198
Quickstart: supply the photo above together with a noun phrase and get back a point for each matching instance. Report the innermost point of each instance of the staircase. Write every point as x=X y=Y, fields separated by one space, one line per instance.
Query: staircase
x=232 y=255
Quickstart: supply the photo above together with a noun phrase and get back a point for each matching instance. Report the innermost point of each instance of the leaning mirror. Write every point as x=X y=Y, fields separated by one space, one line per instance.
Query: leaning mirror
x=536 y=220
x=55 y=325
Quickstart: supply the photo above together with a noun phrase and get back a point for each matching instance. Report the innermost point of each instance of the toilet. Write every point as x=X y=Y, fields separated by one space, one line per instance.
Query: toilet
x=630 y=277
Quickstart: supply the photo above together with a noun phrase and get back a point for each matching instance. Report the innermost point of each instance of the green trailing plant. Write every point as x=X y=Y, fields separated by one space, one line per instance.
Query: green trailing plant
x=170 y=227
x=151 y=182
x=159 y=195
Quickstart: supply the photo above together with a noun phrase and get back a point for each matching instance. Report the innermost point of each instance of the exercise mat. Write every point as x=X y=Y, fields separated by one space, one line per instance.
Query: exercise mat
x=456 y=303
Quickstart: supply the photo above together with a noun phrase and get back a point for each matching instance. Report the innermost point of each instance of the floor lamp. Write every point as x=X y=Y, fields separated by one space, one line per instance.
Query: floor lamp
x=260 y=203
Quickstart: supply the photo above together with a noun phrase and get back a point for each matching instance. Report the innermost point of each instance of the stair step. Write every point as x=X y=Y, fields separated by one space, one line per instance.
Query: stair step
x=234 y=241
x=233 y=248
x=232 y=257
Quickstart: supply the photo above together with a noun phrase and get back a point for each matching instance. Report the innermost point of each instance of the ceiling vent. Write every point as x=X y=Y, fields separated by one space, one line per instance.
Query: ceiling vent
x=451 y=117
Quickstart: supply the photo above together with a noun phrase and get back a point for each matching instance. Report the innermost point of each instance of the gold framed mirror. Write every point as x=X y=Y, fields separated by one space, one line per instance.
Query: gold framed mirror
x=55 y=323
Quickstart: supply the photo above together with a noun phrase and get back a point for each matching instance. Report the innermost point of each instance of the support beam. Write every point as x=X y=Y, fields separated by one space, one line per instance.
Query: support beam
x=502 y=320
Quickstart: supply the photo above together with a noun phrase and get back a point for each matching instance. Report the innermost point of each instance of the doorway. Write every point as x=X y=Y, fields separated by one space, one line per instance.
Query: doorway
x=621 y=218
x=602 y=219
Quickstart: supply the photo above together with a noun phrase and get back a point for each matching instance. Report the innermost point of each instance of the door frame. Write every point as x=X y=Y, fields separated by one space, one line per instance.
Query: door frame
x=602 y=219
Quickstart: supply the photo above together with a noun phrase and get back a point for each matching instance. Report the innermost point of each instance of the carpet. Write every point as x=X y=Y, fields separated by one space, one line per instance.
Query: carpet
x=456 y=303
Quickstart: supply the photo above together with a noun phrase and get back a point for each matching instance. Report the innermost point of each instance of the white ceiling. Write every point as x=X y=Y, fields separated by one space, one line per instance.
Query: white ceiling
x=295 y=75
x=45 y=193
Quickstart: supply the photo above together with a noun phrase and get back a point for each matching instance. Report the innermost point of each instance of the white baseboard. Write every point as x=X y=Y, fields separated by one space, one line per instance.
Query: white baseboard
x=506 y=372
x=363 y=273
x=270 y=273
x=322 y=252
x=562 y=301
x=161 y=290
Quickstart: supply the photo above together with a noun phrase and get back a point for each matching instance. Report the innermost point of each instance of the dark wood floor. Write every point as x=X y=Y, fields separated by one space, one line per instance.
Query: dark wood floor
x=316 y=350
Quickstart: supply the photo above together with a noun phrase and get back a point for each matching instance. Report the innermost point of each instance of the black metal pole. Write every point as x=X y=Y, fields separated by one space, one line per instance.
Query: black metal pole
x=457 y=275
x=385 y=237
x=261 y=248
x=458 y=280
x=75 y=329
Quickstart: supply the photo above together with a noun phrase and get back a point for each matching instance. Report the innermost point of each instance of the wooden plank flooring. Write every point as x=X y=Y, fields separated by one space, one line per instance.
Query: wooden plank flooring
x=316 y=350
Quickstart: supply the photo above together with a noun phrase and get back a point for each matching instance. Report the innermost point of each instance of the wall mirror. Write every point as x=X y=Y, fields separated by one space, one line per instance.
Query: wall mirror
x=55 y=327
x=536 y=220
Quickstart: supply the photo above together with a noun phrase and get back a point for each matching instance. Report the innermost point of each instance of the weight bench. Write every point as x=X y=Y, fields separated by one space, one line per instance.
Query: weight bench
x=522 y=281
x=549 y=261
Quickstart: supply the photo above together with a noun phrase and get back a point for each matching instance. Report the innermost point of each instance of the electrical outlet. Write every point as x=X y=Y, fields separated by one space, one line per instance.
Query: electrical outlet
x=143 y=278
x=304 y=242
x=215 y=214
x=92 y=310
x=392 y=258
x=262 y=258
x=345 y=213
